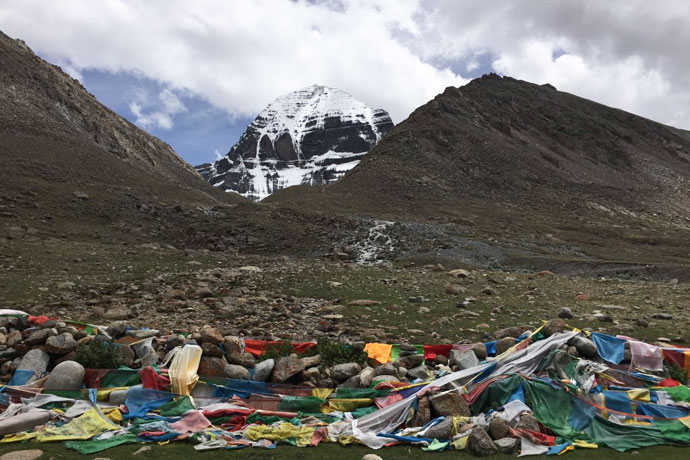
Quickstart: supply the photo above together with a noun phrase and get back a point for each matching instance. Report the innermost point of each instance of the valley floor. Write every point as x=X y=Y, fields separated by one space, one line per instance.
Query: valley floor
x=304 y=298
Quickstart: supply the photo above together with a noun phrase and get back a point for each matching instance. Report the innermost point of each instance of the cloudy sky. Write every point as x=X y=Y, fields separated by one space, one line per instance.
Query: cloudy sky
x=195 y=73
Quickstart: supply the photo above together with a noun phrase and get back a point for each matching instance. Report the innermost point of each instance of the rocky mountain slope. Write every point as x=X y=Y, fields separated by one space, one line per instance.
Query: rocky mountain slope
x=528 y=165
x=311 y=136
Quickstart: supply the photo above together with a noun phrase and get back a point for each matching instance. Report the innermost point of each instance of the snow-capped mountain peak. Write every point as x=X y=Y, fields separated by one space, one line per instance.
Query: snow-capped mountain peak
x=310 y=136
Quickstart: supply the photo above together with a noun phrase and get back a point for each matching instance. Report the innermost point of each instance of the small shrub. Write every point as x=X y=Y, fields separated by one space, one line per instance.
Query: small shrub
x=99 y=354
x=676 y=373
x=333 y=353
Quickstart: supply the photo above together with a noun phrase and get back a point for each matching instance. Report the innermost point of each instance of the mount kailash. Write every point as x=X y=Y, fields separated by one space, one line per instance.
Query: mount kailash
x=310 y=136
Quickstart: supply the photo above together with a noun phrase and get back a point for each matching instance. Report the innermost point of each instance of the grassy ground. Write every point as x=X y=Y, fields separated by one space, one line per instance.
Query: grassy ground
x=328 y=451
x=515 y=298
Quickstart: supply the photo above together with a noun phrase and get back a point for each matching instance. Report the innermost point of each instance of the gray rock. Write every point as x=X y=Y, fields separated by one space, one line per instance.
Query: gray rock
x=286 y=367
x=35 y=360
x=235 y=371
x=504 y=344
x=480 y=444
x=352 y=382
x=386 y=369
x=8 y=353
x=411 y=361
x=67 y=375
x=37 y=337
x=507 y=445
x=386 y=378
x=584 y=346
x=514 y=331
x=234 y=349
x=423 y=415
x=209 y=349
x=61 y=344
x=116 y=330
x=450 y=403
x=463 y=360
x=311 y=361
x=211 y=335
x=528 y=422
x=419 y=372
x=366 y=376
x=498 y=428
x=479 y=349
x=565 y=313
x=23 y=422
x=665 y=316
x=371 y=457
x=442 y=430
x=342 y=372
x=263 y=370
x=553 y=326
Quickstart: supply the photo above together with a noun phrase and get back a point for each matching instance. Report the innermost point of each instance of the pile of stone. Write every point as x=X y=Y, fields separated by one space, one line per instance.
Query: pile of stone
x=52 y=346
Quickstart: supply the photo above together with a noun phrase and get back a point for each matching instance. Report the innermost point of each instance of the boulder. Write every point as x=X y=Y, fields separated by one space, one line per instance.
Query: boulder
x=498 y=428
x=419 y=372
x=514 y=331
x=386 y=369
x=286 y=367
x=507 y=445
x=366 y=376
x=479 y=349
x=459 y=273
x=423 y=415
x=442 y=430
x=117 y=329
x=449 y=403
x=35 y=360
x=342 y=372
x=67 y=375
x=211 y=335
x=352 y=382
x=480 y=444
x=23 y=422
x=553 y=326
x=211 y=367
x=463 y=359
x=504 y=344
x=61 y=344
x=14 y=338
x=235 y=371
x=234 y=349
x=565 y=313
x=209 y=349
x=528 y=422
x=411 y=361
x=263 y=369
x=584 y=346
x=37 y=337
x=311 y=361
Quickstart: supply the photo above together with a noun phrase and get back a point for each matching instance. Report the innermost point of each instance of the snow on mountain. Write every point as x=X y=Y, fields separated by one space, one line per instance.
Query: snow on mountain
x=310 y=136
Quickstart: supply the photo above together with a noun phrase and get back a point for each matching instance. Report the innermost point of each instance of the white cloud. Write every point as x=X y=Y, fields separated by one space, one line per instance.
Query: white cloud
x=631 y=54
x=168 y=104
x=240 y=55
